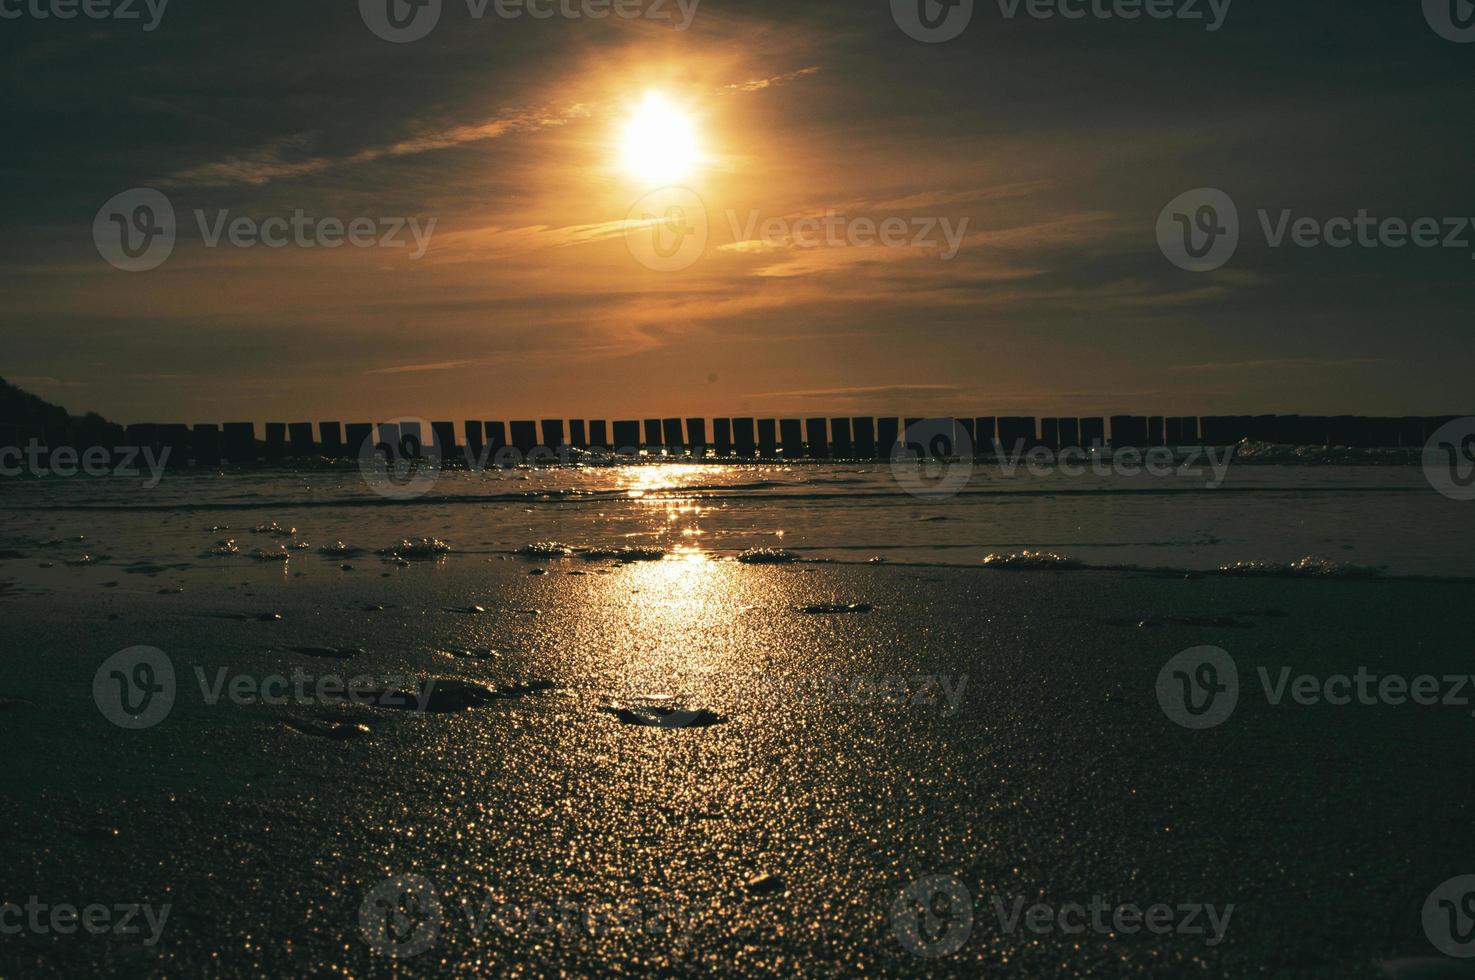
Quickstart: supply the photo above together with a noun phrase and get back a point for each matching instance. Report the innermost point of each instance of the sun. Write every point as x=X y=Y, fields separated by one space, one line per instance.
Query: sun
x=659 y=141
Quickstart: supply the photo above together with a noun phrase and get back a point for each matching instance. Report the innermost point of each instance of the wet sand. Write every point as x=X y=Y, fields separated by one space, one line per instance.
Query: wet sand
x=768 y=829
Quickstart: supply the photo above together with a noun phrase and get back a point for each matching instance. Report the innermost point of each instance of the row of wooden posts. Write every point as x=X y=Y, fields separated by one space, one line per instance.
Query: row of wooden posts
x=863 y=437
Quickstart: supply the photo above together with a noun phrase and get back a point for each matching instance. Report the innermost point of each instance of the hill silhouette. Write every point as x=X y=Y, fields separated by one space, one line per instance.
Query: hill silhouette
x=21 y=408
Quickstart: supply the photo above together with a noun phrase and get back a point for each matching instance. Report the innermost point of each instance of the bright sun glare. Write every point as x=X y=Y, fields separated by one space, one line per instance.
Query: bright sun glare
x=659 y=141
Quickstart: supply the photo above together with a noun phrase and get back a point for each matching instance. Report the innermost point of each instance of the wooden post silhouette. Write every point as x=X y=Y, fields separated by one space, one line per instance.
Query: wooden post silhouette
x=276 y=440
x=671 y=437
x=240 y=442
x=576 y=435
x=389 y=439
x=792 y=437
x=411 y=439
x=627 y=437
x=696 y=437
x=1128 y=431
x=205 y=444
x=1093 y=433
x=1050 y=433
x=743 y=439
x=653 y=436
x=598 y=436
x=475 y=439
x=1017 y=434
x=1070 y=433
x=174 y=437
x=524 y=436
x=842 y=446
x=888 y=435
x=1155 y=434
x=552 y=434
x=300 y=439
x=817 y=444
x=443 y=439
x=330 y=435
x=357 y=439
x=986 y=433
x=865 y=437
x=722 y=436
x=767 y=437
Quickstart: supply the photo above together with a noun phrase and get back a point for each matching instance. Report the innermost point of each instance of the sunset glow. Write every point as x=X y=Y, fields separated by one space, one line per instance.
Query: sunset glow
x=659 y=142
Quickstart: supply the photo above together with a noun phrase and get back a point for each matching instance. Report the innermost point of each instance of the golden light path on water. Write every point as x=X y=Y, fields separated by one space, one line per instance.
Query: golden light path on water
x=652 y=486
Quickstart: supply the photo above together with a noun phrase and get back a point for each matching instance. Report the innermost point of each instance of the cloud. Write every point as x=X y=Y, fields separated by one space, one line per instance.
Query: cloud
x=921 y=390
x=266 y=164
x=1275 y=363
x=758 y=84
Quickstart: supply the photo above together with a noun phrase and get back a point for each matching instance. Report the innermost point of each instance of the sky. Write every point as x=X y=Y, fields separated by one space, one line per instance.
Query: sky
x=1049 y=148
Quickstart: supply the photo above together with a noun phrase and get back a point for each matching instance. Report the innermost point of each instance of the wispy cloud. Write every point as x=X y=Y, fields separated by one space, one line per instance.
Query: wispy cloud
x=899 y=390
x=1296 y=363
x=268 y=163
x=758 y=84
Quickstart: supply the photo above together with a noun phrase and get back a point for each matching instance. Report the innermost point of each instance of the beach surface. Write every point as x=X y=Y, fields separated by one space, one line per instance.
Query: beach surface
x=696 y=765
